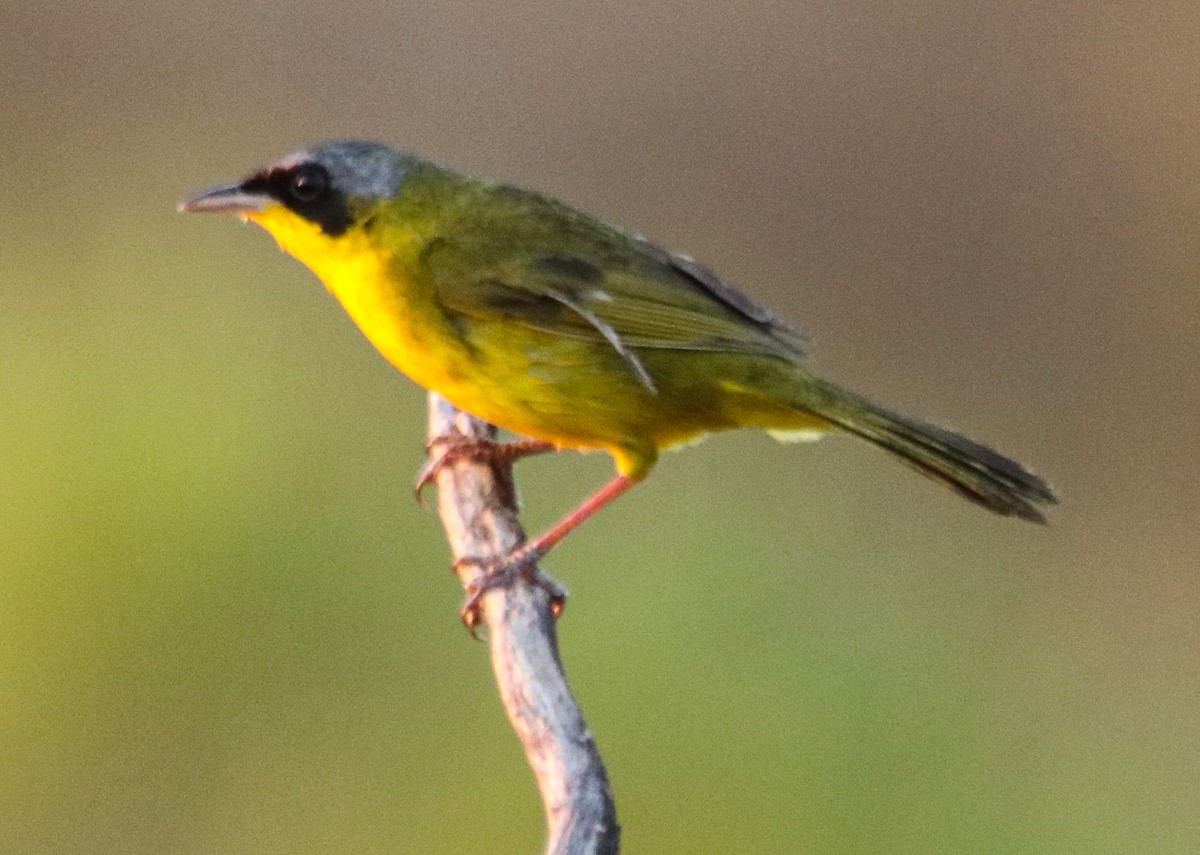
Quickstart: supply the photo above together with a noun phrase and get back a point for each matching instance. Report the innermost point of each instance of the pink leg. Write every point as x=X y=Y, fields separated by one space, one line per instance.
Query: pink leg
x=522 y=561
x=603 y=497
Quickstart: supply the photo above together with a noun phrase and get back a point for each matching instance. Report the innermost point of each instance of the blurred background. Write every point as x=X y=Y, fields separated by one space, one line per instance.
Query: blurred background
x=226 y=627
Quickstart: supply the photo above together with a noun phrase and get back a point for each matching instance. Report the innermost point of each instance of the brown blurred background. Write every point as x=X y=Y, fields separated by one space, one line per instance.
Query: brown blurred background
x=224 y=625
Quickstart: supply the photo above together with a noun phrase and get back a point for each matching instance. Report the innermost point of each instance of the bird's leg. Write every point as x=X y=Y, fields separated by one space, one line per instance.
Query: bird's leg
x=521 y=563
x=448 y=449
x=603 y=497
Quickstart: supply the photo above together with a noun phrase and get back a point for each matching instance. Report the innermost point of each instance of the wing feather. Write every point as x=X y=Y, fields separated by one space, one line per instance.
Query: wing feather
x=535 y=261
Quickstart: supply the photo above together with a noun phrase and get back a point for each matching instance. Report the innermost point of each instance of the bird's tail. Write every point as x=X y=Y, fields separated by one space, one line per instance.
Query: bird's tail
x=974 y=471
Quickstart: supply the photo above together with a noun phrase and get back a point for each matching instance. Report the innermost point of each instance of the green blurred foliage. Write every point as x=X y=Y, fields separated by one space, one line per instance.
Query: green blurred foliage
x=227 y=628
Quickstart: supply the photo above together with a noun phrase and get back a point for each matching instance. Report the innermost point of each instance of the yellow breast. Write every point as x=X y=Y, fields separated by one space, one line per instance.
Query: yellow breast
x=371 y=282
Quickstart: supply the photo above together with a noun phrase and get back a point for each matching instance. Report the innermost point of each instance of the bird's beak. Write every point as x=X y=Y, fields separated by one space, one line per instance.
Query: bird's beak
x=226 y=199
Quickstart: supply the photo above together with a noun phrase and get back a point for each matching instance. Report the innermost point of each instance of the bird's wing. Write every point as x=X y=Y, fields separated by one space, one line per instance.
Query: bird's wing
x=584 y=280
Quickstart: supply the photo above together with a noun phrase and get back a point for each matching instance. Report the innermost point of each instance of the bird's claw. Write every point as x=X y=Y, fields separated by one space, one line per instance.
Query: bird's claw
x=443 y=451
x=450 y=448
x=521 y=564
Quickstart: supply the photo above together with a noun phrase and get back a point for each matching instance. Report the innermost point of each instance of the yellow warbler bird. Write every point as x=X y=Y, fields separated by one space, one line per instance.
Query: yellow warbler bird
x=559 y=327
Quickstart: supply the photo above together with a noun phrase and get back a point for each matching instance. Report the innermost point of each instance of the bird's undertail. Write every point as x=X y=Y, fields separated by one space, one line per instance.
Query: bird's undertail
x=974 y=471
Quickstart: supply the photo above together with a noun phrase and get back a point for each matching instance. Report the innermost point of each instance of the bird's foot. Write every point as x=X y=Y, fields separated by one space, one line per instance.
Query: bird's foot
x=503 y=572
x=450 y=448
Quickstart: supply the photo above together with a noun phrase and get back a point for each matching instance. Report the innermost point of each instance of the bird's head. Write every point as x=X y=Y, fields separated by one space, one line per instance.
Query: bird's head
x=314 y=200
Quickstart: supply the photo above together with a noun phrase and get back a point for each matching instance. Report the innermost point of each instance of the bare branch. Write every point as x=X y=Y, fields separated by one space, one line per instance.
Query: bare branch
x=477 y=504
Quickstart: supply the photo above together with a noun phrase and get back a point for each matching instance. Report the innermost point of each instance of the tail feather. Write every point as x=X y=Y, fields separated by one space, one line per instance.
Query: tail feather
x=972 y=470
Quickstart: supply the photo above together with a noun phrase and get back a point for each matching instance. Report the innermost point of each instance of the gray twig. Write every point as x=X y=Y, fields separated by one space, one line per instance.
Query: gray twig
x=477 y=504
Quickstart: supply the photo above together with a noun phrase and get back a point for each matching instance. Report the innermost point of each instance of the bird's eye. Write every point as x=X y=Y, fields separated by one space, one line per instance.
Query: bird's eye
x=308 y=184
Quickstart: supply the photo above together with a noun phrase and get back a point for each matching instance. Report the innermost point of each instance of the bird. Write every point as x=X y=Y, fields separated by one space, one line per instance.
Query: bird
x=567 y=331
